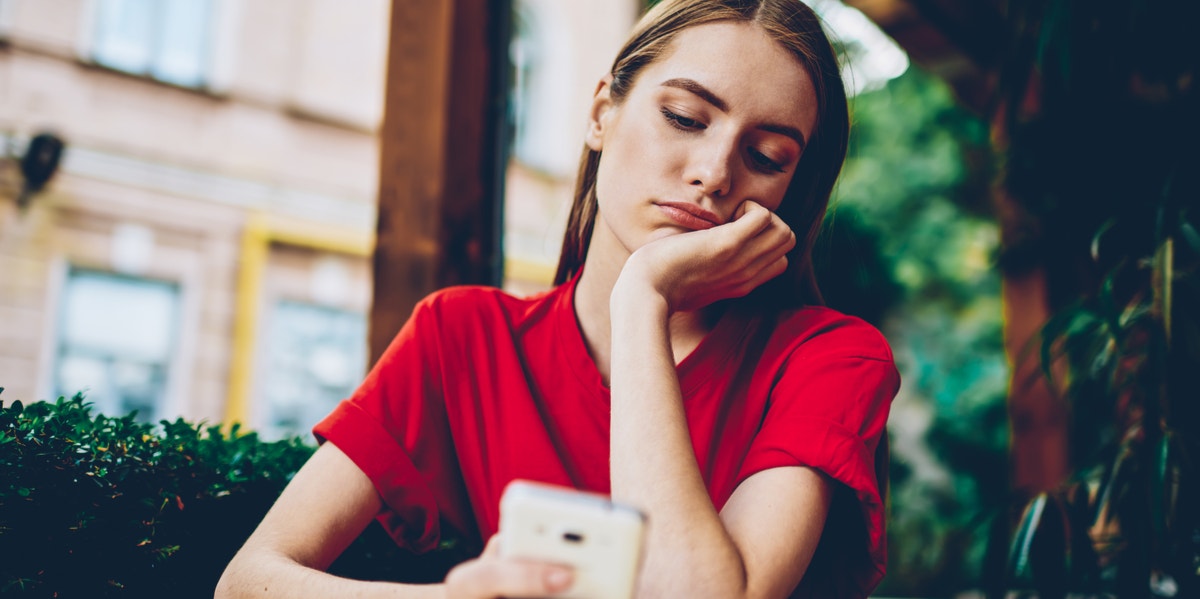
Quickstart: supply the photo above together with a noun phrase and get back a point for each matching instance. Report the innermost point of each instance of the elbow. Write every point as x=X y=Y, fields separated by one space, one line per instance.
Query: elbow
x=727 y=581
x=233 y=582
x=227 y=585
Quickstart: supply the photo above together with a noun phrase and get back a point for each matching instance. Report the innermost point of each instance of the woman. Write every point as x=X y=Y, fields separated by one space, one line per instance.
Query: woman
x=683 y=364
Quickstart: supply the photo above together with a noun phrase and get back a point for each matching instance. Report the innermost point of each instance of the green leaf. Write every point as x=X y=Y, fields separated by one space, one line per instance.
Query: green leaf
x=1104 y=228
x=1019 y=554
x=1190 y=236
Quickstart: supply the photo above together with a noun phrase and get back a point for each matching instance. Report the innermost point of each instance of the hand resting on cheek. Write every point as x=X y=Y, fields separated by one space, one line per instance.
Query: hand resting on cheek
x=694 y=269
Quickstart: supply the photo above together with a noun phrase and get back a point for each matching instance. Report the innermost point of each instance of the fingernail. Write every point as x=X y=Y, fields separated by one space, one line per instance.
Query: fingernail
x=558 y=579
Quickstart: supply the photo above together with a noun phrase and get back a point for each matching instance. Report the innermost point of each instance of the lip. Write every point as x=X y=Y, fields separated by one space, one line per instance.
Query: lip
x=688 y=215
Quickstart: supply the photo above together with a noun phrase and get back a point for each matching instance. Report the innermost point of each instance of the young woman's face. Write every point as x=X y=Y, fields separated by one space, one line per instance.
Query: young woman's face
x=721 y=118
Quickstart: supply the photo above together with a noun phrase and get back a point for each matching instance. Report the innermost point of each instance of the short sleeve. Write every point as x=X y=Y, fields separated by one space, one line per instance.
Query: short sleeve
x=395 y=421
x=828 y=410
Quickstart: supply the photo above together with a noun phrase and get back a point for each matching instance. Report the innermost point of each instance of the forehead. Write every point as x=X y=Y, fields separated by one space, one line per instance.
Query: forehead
x=756 y=76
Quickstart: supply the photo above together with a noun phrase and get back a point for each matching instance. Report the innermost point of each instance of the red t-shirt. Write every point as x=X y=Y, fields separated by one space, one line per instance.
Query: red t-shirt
x=480 y=388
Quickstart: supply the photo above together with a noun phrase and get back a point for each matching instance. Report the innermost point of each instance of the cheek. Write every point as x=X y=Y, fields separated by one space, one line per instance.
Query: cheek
x=772 y=196
x=612 y=183
x=630 y=167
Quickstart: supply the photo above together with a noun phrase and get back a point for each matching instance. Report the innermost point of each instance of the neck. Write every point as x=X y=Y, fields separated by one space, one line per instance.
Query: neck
x=592 y=294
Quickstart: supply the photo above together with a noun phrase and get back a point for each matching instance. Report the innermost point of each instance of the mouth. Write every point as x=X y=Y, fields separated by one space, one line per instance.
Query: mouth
x=688 y=215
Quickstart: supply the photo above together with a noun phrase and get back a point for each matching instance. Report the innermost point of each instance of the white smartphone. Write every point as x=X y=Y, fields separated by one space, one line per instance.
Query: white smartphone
x=600 y=539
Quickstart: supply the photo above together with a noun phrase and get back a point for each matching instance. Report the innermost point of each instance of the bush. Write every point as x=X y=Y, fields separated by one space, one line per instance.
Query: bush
x=98 y=506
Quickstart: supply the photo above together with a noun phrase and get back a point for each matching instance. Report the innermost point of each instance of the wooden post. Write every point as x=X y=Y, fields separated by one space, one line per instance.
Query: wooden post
x=441 y=155
x=1038 y=418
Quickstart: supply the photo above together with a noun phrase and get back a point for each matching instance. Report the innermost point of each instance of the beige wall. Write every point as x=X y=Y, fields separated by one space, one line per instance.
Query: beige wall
x=300 y=105
x=286 y=129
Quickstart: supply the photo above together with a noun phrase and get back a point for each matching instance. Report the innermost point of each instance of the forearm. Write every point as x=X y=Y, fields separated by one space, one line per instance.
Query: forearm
x=264 y=574
x=653 y=465
x=326 y=505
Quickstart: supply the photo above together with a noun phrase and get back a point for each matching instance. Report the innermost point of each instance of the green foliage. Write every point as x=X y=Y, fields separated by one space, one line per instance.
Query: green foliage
x=1104 y=172
x=98 y=506
x=914 y=202
x=1123 y=356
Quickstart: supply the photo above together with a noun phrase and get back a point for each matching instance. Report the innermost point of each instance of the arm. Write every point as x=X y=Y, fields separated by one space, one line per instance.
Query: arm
x=325 y=507
x=761 y=542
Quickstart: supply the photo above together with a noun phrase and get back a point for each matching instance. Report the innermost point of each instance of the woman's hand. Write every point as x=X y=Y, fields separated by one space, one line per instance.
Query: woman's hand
x=490 y=577
x=323 y=509
x=694 y=269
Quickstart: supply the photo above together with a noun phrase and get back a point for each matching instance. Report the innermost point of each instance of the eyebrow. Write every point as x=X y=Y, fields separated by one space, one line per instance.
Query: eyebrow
x=693 y=86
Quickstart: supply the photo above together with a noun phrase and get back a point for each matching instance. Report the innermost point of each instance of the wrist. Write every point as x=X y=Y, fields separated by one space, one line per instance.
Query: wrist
x=634 y=297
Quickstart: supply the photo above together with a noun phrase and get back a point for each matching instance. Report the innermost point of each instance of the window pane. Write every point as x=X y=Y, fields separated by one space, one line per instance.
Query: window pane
x=182 y=42
x=107 y=313
x=540 y=57
x=123 y=34
x=5 y=17
x=116 y=335
x=318 y=356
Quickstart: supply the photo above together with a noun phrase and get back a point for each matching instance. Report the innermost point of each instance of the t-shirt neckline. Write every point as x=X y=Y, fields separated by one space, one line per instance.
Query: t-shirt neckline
x=695 y=370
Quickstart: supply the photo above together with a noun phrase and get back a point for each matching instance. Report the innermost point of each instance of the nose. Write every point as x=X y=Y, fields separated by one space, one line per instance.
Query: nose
x=709 y=170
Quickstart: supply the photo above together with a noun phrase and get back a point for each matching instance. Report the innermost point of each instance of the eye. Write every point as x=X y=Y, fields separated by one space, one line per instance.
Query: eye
x=765 y=163
x=680 y=122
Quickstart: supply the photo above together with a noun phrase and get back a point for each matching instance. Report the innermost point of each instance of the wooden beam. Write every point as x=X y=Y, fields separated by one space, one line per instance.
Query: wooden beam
x=440 y=155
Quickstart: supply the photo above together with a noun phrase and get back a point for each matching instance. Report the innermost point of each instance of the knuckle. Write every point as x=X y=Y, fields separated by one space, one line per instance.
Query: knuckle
x=763 y=216
x=459 y=575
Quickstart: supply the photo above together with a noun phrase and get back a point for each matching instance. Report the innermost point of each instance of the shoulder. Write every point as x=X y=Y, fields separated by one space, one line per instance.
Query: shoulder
x=461 y=297
x=817 y=330
x=474 y=305
x=463 y=319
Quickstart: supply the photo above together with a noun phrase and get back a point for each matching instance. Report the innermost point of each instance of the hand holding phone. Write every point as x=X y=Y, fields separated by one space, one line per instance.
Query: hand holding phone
x=601 y=540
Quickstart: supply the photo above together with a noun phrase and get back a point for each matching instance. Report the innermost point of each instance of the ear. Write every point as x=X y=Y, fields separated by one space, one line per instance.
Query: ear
x=602 y=107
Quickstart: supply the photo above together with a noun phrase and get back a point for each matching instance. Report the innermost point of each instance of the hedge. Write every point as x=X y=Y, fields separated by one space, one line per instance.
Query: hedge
x=99 y=506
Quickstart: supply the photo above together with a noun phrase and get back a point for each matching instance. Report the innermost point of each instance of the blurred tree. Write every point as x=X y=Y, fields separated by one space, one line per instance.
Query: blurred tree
x=910 y=245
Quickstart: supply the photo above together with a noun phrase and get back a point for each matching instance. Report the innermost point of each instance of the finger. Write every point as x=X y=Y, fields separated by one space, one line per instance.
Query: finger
x=750 y=218
x=759 y=276
x=768 y=255
x=771 y=270
x=739 y=241
x=746 y=206
x=771 y=255
x=776 y=233
x=771 y=243
x=495 y=577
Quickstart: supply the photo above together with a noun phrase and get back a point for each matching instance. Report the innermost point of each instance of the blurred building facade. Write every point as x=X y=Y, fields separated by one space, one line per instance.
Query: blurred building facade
x=559 y=52
x=204 y=248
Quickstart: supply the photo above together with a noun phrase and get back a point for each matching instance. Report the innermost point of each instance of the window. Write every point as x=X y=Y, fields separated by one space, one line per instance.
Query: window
x=164 y=39
x=5 y=18
x=318 y=355
x=115 y=341
x=541 y=55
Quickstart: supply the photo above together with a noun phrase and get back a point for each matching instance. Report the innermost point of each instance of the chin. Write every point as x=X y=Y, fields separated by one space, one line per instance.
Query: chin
x=663 y=233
